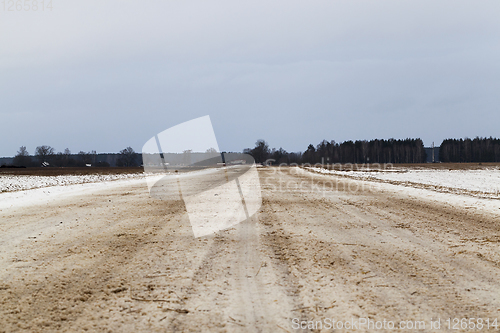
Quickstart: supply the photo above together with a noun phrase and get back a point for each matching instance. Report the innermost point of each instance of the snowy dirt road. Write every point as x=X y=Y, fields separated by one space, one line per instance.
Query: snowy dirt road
x=116 y=260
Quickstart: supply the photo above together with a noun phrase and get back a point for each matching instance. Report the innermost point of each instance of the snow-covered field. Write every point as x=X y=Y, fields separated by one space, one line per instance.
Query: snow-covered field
x=9 y=183
x=483 y=182
x=46 y=189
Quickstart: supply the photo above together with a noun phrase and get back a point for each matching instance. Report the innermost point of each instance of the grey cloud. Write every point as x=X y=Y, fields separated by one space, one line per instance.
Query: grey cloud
x=105 y=75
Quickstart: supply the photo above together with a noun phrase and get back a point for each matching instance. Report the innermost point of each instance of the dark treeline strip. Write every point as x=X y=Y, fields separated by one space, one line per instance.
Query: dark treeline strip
x=46 y=156
x=467 y=150
x=374 y=151
x=75 y=160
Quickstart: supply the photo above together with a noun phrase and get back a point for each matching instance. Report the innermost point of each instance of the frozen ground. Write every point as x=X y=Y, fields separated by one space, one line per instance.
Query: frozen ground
x=484 y=182
x=108 y=257
x=23 y=191
x=9 y=183
x=46 y=195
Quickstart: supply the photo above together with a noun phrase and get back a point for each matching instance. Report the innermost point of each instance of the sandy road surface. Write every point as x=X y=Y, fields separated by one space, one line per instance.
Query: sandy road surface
x=117 y=260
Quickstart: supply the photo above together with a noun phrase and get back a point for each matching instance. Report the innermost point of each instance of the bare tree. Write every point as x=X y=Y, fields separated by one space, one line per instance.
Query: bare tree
x=127 y=157
x=44 y=153
x=261 y=151
x=23 y=157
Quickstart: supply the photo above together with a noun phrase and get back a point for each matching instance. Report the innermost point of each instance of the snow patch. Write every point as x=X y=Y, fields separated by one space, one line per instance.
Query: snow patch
x=9 y=183
x=485 y=182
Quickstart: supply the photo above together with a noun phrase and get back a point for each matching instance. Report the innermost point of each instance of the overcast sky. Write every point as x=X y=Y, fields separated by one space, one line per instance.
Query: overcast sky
x=104 y=75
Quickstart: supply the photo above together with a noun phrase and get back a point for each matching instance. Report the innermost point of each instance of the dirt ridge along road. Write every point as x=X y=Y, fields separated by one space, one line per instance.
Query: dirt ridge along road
x=121 y=261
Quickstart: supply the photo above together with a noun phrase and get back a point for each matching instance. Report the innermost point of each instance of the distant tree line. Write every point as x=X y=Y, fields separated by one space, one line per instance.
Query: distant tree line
x=46 y=156
x=361 y=151
x=467 y=150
